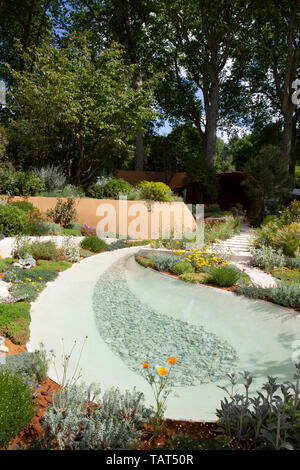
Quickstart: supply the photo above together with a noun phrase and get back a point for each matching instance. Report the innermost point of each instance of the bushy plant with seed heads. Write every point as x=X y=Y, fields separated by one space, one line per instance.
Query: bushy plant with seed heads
x=81 y=418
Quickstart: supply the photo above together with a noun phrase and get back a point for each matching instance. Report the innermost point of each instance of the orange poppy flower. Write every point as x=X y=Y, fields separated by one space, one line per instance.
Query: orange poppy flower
x=172 y=360
x=145 y=365
x=162 y=371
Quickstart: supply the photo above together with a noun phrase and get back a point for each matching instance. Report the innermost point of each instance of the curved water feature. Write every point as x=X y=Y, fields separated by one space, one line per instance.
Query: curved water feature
x=129 y=312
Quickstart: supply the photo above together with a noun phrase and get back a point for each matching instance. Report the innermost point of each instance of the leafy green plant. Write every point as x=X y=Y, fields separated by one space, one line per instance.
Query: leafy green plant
x=116 y=245
x=12 y=220
x=23 y=205
x=164 y=262
x=181 y=268
x=96 y=191
x=287 y=239
x=57 y=266
x=70 y=250
x=71 y=232
x=85 y=253
x=261 y=422
x=224 y=276
x=196 y=278
x=72 y=191
x=93 y=243
x=116 y=186
x=12 y=315
x=286 y=274
x=17 y=406
x=64 y=212
x=267 y=257
x=5 y=263
x=32 y=364
x=28 y=291
x=113 y=422
x=30 y=275
x=285 y=293
x=44 y=250
x=154 y=191
x=28 y=184
x=143 y=261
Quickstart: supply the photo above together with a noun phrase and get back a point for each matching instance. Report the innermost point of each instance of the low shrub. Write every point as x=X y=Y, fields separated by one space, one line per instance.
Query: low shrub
x=21 y=247
x=286 y=274
x=143 y=261
x=196 y=278
x=71 y=232
x=26 y=291
x=74 y=226
x=32 y=364
x=28 y=184
x=64 y=212
x=72 y=191
x=18 y=331
x=286 y=293
x=70 y=250
x=94 y=244
x=85 y=253
x=37 y=224
x=5 y=263
x=52 y=229
x=57 y=266
x=114 y=424
x=116 y=245
x=164 y=262
x=294 y=262
x=95 y=191
x=154 y=191
x=9 y=313
x=225 y=276
x=287 y=239
x=181 y=268
x=23 y=205
x=17 y=406
x=267 y=257
x=116 y=186
x=40 y=274
x=44 y=250
x=12 y=220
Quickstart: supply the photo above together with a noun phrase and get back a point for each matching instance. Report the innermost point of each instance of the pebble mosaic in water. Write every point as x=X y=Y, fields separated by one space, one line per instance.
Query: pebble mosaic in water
x=137 y=333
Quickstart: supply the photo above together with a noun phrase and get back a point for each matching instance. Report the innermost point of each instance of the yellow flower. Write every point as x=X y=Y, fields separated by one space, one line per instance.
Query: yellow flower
x=162 y=371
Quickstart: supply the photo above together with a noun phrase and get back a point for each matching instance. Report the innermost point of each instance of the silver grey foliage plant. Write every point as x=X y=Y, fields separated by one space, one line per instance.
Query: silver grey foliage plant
x=111 y=422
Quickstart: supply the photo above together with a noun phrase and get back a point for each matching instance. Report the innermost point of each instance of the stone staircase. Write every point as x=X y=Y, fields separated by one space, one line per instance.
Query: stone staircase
x=238 y=244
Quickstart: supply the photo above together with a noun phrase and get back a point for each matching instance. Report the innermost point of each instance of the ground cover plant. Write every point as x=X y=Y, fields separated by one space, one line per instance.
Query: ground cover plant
x=14 y=321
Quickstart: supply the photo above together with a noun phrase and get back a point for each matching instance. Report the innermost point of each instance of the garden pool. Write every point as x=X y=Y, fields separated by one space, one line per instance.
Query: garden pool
x=133 y=315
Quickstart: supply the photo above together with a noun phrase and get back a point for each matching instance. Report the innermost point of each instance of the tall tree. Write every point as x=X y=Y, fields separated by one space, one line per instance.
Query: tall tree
x=201 y=35
x=124 y=22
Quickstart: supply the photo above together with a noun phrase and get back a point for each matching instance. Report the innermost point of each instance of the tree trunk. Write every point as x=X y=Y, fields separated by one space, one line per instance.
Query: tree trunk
x=287 y=139
x=211 y=102
x=139 y=152
x=139 y=148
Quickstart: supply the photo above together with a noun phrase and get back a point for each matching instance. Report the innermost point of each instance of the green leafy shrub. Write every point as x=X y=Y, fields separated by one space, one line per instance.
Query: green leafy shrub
x=85 y=253
x=286 y=274
x=285 y=293
x=94 y=244
x=96 y=191
x=9 y=314
x=18 y=331
x=116 y=245
x=26 y=291
x=196 y=278
x=72 y=191
x=71 y=232
x=287 y=239
x=28 y=184
x=225 y=276
x=21 y=247
x=294 y=262
x=74 y=226
x=70 y=250
x=57 y=266
x=12 y=220
x=155 y=191
x=265 y=421
x=116 y=186
x=44 y=250
x=23 y=205
x=290 y=214
x=143 y=261
x=181 y=268
x=267 y=257
x=5 y=263
x=64 y=212
x=32 y=364
x=113 y=424
x=16 y=274
x=164 y=262
x=17 y=406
